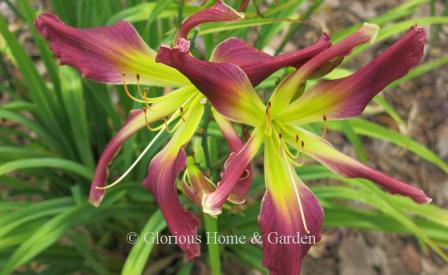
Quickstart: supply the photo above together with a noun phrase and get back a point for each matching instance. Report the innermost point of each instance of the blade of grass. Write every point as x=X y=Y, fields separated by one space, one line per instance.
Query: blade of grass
x=141 y=250
x=58 y=163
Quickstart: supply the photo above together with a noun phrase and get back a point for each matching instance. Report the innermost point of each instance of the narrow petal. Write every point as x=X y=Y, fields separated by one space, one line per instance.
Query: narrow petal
x=234 y=168
x=290 y=217
x=225 y=85
x=288 y=88
x=326 y=154
x=259 y=65
x=135 y=122
x=348 y=96
x=220 y=11
x=103 y=54
x=161 y=182
x=235 y=144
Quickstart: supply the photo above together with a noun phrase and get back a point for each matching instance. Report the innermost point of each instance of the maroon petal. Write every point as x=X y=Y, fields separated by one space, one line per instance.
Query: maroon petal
x=239 y=191
x=348 y=167
x=135 y=122
x=103 y=54
x=161 y=182
x=234 y=169
x=317 y=65
x=225 y=85
x=259 y=65
x=277 y=221
x=288 y=209
x=348 y=96
x=218 y=12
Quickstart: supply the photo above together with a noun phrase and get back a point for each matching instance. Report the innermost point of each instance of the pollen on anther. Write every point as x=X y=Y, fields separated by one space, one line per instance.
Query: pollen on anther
x=268 y=107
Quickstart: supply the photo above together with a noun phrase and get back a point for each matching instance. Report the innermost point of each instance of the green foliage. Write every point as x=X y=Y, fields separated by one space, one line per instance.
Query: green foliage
x=59 y=123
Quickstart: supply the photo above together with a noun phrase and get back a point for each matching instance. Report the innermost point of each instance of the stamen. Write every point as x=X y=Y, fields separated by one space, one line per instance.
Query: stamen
x=324 y=131
x=165 y=122
x=301 y=150
x=151 y=143
x=125 y=86
x=144 y=96
x=139 y=90
x=268 y=109
x=285 y=148
x=182 y=113
x=299 y=201
x=268 y=129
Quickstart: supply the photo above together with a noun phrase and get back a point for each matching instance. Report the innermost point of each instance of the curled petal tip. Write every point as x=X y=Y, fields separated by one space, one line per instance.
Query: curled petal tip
x=183 y=45
x=208 y=206
x=370 y=30
x=95 y=201
x=220 y=11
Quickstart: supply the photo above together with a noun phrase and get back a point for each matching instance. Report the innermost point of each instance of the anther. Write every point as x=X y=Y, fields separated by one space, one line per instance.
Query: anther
x=324 y=131
x=297 y=138
x=268 y=108
x=125 y=86
x=268 y=129
x=182 y=113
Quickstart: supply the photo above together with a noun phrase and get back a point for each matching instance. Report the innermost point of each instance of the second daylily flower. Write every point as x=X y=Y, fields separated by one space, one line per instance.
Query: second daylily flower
x=117 y=55
x=288 y=206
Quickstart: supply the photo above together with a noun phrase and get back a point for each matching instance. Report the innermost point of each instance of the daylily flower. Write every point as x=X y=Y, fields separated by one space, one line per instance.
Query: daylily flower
x=118 y=55
x=288 y=206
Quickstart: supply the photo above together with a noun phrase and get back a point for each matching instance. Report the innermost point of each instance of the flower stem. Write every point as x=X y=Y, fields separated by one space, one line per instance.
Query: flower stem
x=211 y=225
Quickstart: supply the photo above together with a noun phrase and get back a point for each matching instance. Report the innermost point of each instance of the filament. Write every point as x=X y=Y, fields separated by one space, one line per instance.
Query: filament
x=301 y=149
x=285 y=148
x=161 y=128
x=299 y=201
x=182 y=112
x=125 y=86
x=151 y=143
x=144 y=95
